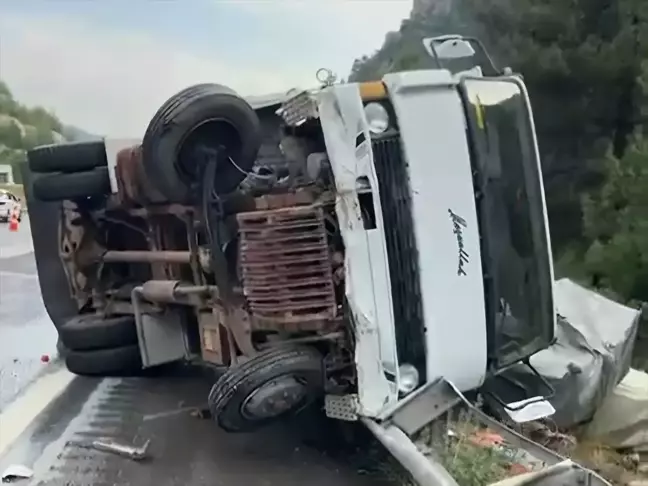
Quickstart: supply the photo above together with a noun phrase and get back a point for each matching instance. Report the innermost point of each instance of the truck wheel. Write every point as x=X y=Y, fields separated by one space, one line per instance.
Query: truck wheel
x=60 y=347
x=67 y=157
x=122 y=361
x=208 y=115
x=77 y=185
x=90 y=331
x=270 y=385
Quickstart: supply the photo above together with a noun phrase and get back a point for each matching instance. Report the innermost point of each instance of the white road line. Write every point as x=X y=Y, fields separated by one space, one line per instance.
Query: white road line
x=17 y=417
x=6 y=273
x=7 y=253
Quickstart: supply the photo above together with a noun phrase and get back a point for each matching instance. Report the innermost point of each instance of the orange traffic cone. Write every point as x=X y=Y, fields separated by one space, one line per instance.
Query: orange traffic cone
x=13 y=224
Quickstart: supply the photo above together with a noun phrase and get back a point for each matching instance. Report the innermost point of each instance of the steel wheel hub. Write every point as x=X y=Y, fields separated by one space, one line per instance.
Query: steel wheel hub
x=273 y=398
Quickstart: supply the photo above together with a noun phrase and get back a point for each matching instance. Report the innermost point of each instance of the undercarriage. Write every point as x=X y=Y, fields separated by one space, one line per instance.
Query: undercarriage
x=240 y=264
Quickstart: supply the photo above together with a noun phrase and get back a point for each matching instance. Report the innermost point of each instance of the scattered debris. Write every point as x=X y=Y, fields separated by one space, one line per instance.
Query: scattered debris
x=559 y=442
x=124 y=450
x=631 y=461
x=171 y=413
x=475 y=455
x=16 y=472
x=486 y=438
x=201 y=413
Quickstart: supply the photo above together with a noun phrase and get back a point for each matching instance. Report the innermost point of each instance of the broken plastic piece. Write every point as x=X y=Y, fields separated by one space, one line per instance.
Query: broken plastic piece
x=486 y=438
x=16 y=472
x=533 y=408
x=124 y=450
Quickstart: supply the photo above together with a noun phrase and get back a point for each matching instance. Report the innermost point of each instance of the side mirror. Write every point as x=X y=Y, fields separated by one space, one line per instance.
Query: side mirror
x=448 y=48
x=453 y=48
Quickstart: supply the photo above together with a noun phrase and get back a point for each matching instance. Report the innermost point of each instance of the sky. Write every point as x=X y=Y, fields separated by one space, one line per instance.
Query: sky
x=107 y=65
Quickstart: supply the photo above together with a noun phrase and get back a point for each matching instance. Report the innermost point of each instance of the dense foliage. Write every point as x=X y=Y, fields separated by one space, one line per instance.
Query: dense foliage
x=584 y=63
x=22 y=128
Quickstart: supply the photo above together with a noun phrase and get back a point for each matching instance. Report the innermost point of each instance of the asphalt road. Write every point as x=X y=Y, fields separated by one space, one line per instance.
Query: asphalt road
x=184 y=449
x=26 y=333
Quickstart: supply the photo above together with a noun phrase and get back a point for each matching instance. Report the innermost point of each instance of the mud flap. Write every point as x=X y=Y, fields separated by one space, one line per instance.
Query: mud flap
x=161 y=339
x=397 y=427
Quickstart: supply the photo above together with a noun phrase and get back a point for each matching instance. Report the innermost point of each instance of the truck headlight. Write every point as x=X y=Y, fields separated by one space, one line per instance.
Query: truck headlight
x=377 y=117
x=408 y=378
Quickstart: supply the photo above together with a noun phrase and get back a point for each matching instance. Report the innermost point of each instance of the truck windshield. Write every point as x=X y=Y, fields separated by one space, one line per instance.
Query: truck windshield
x=516 y=254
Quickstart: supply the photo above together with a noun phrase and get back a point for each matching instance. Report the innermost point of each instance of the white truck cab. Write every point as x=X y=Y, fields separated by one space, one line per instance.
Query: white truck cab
x=441 y=206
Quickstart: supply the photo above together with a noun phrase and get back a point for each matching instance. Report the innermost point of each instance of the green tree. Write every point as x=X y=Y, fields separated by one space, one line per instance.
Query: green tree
x=10 y=134
x=22 y=128
x=616 y=221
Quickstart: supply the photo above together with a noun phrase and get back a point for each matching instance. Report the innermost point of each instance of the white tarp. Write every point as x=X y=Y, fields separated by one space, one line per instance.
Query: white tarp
x=622 y=420
x=594 y=341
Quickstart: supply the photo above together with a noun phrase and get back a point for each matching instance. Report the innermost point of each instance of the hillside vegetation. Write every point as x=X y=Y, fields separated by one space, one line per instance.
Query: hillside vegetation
x=22 y=128
x=585 y=63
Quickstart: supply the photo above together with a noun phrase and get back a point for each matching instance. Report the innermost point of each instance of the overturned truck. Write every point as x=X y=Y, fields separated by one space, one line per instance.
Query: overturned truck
x=379 y=247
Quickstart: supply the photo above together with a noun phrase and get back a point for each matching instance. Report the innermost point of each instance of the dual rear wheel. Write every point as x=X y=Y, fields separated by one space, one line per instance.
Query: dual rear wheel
x=69 y=171
x=189 y=125
x=93 y=345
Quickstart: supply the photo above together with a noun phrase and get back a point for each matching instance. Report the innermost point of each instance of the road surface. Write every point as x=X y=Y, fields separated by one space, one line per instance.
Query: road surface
x=48 y=418
x=26 y=332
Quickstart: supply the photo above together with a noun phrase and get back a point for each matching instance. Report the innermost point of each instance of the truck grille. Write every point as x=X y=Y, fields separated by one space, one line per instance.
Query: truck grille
x=396 y=202
x=286 y=268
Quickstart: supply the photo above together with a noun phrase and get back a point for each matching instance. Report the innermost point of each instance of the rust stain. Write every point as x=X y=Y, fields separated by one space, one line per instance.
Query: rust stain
x=286 y=268
x=133 y=185
x=127 y=173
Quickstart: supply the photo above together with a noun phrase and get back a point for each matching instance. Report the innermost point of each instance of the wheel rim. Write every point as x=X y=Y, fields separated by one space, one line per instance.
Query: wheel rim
x=186 y=165
x=274 y=398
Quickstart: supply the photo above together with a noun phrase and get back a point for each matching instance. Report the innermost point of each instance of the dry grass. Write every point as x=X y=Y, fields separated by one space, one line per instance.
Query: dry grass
x=469 y=461
x=617 y=468
x=471 y=455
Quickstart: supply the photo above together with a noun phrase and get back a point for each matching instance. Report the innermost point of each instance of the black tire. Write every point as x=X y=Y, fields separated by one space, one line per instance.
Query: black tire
x=68 y=157
x=90 y=331
x=123 y=361
x=78 y=185
x=60 y=348
x=230 y=391
x=207 y=114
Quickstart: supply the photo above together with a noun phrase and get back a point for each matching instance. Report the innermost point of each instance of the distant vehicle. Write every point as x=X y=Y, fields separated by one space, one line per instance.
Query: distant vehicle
x=9 y=204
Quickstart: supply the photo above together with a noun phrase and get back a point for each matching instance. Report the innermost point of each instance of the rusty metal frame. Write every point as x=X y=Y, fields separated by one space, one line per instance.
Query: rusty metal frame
x=286 y=268
x=78 y=249
x=143 y=256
